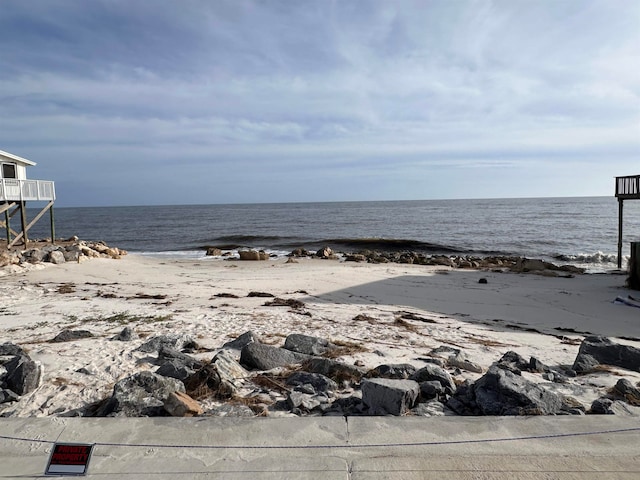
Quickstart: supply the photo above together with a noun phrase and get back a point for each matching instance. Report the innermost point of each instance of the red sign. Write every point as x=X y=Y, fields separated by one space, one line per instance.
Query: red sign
x=69 y=459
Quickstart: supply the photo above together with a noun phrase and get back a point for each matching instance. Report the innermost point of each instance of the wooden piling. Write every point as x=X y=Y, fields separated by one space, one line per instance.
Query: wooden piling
x=634 y=267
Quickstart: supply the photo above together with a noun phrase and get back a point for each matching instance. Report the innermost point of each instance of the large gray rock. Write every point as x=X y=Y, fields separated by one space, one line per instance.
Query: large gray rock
x=7 y=396
x=607 y=352
x=317 y=381
x=434 y=372
x=23 y=375
x=220 y=378
x=502 y=392
x=140 y=395
x=175 y=369
x=257 y=356
x=71 y=335
x=166 y=354
x=608 y=406
x=56 y=257
x=333 y=369
x=389 y=396
x=513 y=362
x=11 y=349
x=126 y=335
x=307 y=344
x=400 y=371
x=242 y=341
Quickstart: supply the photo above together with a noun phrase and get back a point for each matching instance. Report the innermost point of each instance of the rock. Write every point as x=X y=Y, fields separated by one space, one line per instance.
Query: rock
x=431 y=389
x=71 y=335
x=303 y=401
x=325 y=252
x=23 y=375
x=389 y=396
x=584 y=363
x=175 y=369
x=537 y=366
x=72 y=253
x=213 y=252
x=458 y=360
x=257 y=356
x=179 y=404
x=166 y=354
x=513 y=362
x=126 y=335
x=35 y=256
x=299 y=252
x=140 y=395
x=429 y=409
x=625 y=389
x=333 y=369
x=253 y=255
x=11 y=349
x=56 y=257
x=502 y=392
x=607 y=352
x=397 y=371
x=608 y=406
x=307 y=344
x=7 y=396
x=175 y=341
x=317 y=381
x=483 y=281
x=434 y=372
x=242 y=341
x=221 y=378
x=228 y=410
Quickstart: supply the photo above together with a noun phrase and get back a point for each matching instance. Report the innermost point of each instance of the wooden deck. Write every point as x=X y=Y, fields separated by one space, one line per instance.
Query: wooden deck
x=628 y=187
x=26 y=190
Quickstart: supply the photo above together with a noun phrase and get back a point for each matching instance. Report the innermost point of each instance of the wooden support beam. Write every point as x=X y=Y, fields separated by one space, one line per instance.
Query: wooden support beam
x=6 y=206
x=23 y=218
x=39 y=216
x=620 y=216
x=52 y=223
x=6 y=224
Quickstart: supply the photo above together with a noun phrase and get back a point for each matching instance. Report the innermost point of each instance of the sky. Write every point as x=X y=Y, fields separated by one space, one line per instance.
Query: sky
x=156 y=102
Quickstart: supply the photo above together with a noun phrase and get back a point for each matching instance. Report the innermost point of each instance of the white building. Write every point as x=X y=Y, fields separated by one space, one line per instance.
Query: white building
x=15 y=190
x=14 y=184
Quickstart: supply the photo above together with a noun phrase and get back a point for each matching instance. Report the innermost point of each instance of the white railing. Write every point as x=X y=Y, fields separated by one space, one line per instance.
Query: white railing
x=23 y=190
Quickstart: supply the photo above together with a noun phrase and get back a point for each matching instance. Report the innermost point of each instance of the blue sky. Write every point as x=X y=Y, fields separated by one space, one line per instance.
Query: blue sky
x=127 y=102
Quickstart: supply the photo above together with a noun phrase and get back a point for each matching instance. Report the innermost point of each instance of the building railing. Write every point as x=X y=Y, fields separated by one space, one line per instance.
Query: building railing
x=26 y=190
x=628 y=187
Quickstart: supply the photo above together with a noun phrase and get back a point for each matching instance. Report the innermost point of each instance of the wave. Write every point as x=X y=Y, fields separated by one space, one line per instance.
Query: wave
x=598 y=257
x=389 y=244
x=234 y=242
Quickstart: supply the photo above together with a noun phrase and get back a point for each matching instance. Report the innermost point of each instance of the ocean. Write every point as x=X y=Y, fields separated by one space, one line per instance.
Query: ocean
x=581 y=231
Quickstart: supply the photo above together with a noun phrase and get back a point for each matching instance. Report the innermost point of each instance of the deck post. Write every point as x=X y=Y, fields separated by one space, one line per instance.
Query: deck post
x=53 y=226
x=23 y=216
x=620 y=207
x=6 y=222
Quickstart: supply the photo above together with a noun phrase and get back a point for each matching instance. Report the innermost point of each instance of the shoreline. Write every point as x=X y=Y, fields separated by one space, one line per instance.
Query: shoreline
x=357 y=304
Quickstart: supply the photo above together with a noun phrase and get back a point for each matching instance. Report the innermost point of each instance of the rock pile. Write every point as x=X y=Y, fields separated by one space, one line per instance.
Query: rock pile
x=248 y=378
x=69 y=251
x=499 y=263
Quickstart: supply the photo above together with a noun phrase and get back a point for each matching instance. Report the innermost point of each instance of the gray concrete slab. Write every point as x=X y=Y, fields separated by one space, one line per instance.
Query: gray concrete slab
x=357 y=448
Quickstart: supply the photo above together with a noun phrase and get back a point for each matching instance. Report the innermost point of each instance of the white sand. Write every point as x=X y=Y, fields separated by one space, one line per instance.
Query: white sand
x=478 y=318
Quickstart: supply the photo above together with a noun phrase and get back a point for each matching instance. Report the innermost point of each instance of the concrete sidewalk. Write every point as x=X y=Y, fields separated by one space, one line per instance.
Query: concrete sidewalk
x=356 y=448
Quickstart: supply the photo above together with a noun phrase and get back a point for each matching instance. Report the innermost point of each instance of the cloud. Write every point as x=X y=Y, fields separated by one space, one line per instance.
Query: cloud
x=351 y=90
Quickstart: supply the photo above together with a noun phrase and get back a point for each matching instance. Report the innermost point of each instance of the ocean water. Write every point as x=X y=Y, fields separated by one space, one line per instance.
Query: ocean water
x=581 y=231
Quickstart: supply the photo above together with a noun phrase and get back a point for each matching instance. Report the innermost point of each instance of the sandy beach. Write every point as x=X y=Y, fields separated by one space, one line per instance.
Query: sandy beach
x=389 y=313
